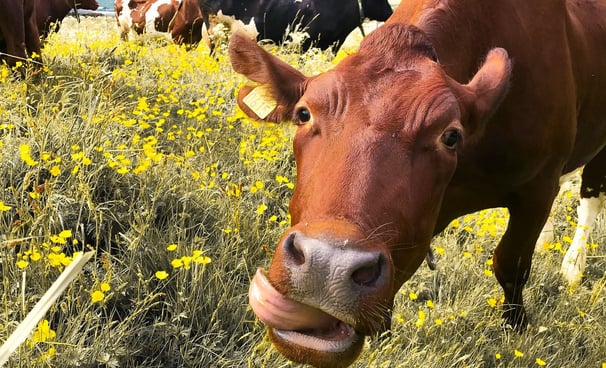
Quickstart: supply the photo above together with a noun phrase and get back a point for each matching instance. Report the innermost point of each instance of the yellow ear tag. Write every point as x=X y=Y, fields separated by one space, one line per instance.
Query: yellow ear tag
x=260 y=102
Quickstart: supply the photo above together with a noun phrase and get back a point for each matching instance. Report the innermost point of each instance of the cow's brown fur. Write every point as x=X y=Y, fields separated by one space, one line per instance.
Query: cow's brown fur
x=18 y=33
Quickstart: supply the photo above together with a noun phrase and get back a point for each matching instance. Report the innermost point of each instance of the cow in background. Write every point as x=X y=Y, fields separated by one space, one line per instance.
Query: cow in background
x=190 y=24
x=144 y=15
x=19 y=38
x=327 y=22
x=50 y=13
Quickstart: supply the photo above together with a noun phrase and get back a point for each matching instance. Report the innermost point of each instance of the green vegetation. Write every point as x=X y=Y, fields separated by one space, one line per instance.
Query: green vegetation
x=137 y=150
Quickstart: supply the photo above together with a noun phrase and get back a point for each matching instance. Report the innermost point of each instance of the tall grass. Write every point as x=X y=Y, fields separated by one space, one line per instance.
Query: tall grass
x=136 y=150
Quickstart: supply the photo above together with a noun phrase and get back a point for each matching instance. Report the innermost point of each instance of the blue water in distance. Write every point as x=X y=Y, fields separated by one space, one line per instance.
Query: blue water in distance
x=106 y=5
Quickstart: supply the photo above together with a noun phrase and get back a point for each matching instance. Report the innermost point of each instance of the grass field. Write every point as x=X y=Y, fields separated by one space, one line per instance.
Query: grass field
x=136 y=150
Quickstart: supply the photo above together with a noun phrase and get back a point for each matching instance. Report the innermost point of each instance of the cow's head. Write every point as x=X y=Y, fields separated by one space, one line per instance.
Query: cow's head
x=376 y=9
x=190 y=24
x=377 y=144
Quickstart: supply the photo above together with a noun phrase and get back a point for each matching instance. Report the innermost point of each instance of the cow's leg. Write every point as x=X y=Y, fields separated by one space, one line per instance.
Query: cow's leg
x=593 y=188
x=32 y=36
x=15 y=42
x=512 y=259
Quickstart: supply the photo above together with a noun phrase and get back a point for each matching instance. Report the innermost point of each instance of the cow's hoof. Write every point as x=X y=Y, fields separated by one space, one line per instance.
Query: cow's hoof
x=514 y=318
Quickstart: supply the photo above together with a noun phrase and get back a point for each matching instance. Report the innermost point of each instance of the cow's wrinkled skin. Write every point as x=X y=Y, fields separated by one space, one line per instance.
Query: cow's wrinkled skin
x=449 y=108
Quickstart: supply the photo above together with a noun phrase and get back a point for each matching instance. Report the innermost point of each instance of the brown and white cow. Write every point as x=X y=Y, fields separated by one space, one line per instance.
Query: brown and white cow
x=449 y=108
x=19 y=36
x=144 y=15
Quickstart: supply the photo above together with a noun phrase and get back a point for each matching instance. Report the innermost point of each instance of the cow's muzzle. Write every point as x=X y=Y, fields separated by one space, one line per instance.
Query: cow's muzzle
x=324 y=293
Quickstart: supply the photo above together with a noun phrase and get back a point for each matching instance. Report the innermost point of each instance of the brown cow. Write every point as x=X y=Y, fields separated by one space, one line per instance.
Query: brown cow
x=190 y=24
x=144 y=15
x=408 y=134
x=49 y=13
x=19 y=36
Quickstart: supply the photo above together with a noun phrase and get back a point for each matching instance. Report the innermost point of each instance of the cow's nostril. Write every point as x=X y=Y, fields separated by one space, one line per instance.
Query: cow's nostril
x=293 y=250
x=368 y=274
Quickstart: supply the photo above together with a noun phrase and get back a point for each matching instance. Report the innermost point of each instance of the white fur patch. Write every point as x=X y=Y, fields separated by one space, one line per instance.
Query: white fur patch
x=573 y=264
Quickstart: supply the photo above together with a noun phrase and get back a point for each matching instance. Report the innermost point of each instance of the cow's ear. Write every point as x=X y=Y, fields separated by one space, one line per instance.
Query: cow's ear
x=482 y=96
x=280 y=85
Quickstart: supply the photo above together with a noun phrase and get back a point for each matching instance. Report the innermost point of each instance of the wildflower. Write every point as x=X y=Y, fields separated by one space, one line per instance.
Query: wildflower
x=429 y=304
x=171 y=247
x=22 y=263
x=421 y=320
x=492 y=302
x=261 y=209
x=105 y=287
x=518 y=353
x=97 y=296
x=176 y=263
x=55 y=171
x=161 y=275
x=541 y=362
x=498 y=356
x=43 y=332
x=65 y=234
x=199 y=258
x=487 y=272
x=412 y=296
x=4 y=207
x=399 y=318
x=438 y=322
x=25 y=153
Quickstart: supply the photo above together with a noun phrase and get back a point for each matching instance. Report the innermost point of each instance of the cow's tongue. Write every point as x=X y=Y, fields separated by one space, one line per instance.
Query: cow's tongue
x=280 y=312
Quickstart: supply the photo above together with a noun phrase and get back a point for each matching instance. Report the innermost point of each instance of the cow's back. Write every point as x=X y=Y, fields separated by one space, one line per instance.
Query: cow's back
x=555 y=90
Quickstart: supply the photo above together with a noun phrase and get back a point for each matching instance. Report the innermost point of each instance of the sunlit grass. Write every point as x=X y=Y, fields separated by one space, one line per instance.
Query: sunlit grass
x=136 y=149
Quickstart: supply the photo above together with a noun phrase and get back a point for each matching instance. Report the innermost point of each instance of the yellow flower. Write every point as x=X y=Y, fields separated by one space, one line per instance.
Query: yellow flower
x=518 y=353
x=55 y=171
x=412 y=296
x=261 y=209
x=25 y=153
x=492 y=302
x=429 y=304
x=487 y=272
x=22 y=263
x=65 y=234
x=161 y=275
x=176 y=263
x=4 y=207
x=421 y=319
x=199 y=258
x=43 y=332
x=97 y=296
x=541 y=362
x=105 y=287
x=438 y=321
x=171 y=247
x=498 y=356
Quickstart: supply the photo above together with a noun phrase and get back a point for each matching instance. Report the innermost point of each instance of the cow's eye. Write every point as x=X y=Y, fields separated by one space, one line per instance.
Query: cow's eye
x=303 y=115
x=451 y=137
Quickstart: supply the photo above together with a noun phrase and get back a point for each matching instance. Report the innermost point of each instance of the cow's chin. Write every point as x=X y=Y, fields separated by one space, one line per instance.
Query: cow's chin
x=303 y=333
x=337 y=346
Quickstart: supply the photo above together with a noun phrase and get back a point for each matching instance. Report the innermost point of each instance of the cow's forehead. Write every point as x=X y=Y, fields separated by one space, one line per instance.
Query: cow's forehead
x=385 y=97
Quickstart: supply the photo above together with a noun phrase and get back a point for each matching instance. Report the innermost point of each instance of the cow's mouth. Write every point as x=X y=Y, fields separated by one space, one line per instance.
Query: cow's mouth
x=298 y=324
